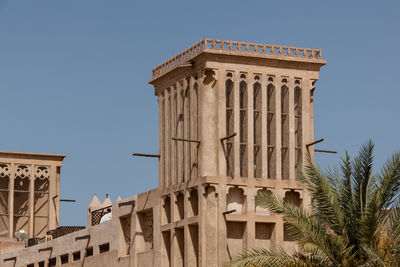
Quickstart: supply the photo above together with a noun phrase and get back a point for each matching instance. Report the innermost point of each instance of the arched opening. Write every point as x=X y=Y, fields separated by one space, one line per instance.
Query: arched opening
x=260 y=210
x=293 y=198
x=235 y=200
x=166 y=211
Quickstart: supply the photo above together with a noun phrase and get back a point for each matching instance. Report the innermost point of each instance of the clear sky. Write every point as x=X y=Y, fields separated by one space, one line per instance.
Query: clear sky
x=73 y=78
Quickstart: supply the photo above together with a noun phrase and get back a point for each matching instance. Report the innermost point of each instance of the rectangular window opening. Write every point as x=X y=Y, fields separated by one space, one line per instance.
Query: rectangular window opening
x=104 y=248
x=76 y=256
x=89 y=252
x=52 y=262
x=64 y=258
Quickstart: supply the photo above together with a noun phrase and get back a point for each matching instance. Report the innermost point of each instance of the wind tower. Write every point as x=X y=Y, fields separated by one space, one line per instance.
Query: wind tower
x=234 y=119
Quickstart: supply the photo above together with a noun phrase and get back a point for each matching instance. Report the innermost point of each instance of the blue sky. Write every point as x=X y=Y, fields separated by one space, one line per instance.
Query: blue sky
x=73 y=78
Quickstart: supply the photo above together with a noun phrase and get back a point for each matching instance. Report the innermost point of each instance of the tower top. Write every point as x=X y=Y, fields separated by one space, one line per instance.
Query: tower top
x=236 y=48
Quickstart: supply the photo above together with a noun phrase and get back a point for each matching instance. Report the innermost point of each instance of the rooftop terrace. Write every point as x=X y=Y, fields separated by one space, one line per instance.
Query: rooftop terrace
x=239 y=48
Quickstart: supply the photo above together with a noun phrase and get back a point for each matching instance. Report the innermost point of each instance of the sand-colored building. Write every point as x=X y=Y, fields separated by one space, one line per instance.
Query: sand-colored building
x=234 y=118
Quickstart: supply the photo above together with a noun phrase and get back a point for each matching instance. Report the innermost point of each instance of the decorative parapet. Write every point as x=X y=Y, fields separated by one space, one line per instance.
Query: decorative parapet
x=240 y=48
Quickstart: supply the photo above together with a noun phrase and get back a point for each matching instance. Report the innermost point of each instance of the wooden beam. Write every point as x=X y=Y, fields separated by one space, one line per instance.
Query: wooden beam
x=45 y=249
x=11 y=259
x=186 y=140
x=315 y=142
x=127 y=203
x=325 y=151
x=82 y=237
x=228 y=137
x=228 y=212
x=67 y=200
x=146 y=155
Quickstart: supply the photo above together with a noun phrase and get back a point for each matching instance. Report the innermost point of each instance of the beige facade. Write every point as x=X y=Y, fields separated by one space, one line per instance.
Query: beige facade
x=234 y=118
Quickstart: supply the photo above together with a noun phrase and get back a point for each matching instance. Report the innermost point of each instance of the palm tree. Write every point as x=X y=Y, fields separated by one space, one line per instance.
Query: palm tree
x=354 y=218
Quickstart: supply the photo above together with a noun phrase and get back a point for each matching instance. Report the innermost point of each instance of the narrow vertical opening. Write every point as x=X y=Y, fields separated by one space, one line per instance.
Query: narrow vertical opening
x=180 y=240
x=166 y=236
x=162 y=139
x=298 y=126
x=41 y=200
x=179 y=207
x=187 y=131
x=195 y=129
x=181 y=132
x=257 y=127
x=285 y=129
x=271 y=129
x=166 y=211
x=21 y=197
x=125 y=223
x=174 y=165
x=146 y=225
x=229 y=97
x=194 y=239
x=235 y=239
x=243 y=107
x=168 y=136
x=4 y=183
x=194 y=203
